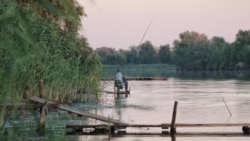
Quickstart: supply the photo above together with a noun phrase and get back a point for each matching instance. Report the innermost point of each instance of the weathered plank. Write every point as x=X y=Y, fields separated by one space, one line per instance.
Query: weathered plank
x=208 y=124
x=79 y=112
x=166 y=125
x=120 y=92
x=186 y=134
x=119 y=126
x=139 y=78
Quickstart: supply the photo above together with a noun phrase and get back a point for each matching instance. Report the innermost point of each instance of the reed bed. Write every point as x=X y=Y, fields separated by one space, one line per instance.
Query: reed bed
x=39 y=40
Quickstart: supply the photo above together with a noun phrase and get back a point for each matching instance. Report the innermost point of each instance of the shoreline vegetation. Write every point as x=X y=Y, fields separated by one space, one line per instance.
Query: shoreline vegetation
x=165 y=70
x=40 y=41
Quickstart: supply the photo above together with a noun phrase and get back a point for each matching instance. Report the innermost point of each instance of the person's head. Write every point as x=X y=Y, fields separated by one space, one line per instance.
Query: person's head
x=118 y=70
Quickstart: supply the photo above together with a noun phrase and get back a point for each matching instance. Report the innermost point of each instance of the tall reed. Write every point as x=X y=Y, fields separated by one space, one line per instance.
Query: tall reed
x=39 y=40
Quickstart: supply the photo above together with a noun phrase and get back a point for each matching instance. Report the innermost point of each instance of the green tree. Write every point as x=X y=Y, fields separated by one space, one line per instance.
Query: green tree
x=165 y=54
x=133 y=55
x=240 y=49
x=147 y=53
x=111 y=56
x=191 y=51
x=219 y=54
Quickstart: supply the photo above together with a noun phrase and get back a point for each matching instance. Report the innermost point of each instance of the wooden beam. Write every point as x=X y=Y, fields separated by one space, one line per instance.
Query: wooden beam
x=166 y=125
x=119 y=126
x=78 y=112
x=173 y=130
x=188 y=134
x=120 y=92
x=138 y=78
x=210 y=124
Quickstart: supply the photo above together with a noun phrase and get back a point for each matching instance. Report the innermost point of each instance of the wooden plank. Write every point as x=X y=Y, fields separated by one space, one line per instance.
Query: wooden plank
x=211 y=134
x=186 y=134
x=119 y=126
x=78 y=112
x=166 y=125
x=139 y=78
x=120 y=92
x=210 y=124
x=86 y=126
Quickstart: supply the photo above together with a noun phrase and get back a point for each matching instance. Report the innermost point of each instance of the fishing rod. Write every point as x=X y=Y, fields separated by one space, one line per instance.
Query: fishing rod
x=143 y=36
x=150 y=23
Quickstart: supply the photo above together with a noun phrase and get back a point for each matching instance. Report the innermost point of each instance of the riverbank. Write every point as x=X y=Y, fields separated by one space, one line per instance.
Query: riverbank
x=164 y=70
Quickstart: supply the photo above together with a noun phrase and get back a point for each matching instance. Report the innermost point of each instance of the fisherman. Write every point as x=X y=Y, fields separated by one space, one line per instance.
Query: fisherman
x=118 y=79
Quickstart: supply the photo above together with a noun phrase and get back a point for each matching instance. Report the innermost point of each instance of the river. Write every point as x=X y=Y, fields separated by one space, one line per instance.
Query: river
x=199 y=101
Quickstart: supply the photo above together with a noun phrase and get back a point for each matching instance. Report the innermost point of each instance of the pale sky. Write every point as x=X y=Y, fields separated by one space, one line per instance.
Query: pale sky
x=122 y=23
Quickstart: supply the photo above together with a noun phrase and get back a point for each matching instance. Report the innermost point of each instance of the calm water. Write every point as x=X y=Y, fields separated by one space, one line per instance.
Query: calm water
x=151 y=102
x=199 y=101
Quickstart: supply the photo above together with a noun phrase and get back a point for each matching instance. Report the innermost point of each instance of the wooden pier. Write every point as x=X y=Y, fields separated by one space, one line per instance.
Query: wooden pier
x=121 y=128
x=164 y=127
x=138 y=78
x=120 y=92
x=78 y=112
x=115 y=127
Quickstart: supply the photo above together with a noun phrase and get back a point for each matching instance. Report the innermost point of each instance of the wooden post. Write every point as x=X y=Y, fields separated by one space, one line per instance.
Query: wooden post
x=246 y=130
x=173 y=138
x=172 y=129
x=43 y=114
x=40 y=85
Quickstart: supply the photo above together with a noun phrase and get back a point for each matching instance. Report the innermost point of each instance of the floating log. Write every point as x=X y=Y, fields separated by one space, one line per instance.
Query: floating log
x=78 y=112
x=139 y=78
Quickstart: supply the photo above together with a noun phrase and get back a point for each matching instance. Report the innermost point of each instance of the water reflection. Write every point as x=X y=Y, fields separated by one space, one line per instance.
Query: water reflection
x=151 y=102
x=200 y=101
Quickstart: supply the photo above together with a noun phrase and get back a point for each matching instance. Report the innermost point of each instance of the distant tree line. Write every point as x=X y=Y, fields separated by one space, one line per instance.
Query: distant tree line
x=192 y=51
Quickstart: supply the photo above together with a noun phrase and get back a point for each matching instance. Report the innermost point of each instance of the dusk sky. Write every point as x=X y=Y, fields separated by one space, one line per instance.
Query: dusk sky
x=122 y=23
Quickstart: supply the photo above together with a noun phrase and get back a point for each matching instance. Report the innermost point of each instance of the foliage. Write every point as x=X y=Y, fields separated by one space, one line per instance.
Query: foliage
x=39 y=40
x=147 y=53
x=191 y=52
x=165 y=55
